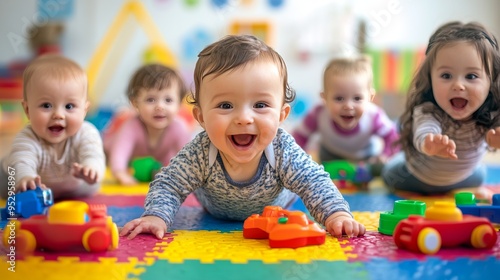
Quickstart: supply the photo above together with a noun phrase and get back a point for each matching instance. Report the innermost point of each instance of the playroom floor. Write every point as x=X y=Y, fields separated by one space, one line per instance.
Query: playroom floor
x=201 y=247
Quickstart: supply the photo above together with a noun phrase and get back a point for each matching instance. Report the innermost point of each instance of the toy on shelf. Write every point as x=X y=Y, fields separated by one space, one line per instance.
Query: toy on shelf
x=402 y=209
x=67 y=225
x=444 y=225
x=347 y=175
x=466 y=202
x=283 y=228
x=145 y=168
x=28 y=203
x=12 y=116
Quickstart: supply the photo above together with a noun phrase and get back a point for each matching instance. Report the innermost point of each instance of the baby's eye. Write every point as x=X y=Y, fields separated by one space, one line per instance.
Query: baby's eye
x=70 y=106
x=150 y=100
x=225 y=106
x=338 y=98
x=46 y=105
x=471 y=76
x=260 y=105
x=445 y=76
x=169 y=100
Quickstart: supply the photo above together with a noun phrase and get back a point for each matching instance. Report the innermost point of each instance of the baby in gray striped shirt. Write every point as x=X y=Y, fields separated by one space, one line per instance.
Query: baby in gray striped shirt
x=242 y=161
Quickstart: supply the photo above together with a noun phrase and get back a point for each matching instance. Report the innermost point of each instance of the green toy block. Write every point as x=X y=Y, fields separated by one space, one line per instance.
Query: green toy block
x=402 y=209
x=145 y=168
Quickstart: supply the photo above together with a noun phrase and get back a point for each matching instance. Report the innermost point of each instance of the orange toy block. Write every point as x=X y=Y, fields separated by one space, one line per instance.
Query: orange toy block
x=283 y=228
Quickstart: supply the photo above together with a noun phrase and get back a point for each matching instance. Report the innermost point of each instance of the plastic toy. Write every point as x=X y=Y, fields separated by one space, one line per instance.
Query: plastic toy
x=283 y=228
x=444 y=225
x=12 y=116
x=263 y=30
x=67 y=225
x=466 y=202
x=27 y=204
x=402 y=209
x=145 y=168
x=348 y=175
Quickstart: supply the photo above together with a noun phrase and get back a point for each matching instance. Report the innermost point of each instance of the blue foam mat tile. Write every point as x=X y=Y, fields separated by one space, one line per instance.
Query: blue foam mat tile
x=123 y=215
x=371 y=202
x=434 y=268
x=492 y=177
x=195 y=218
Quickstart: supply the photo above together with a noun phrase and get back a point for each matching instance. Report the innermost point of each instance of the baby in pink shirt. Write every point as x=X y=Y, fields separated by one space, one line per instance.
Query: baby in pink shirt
x=155 y=92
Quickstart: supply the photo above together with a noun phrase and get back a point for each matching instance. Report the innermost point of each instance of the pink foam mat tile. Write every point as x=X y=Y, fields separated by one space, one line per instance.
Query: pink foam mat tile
x=377 y=245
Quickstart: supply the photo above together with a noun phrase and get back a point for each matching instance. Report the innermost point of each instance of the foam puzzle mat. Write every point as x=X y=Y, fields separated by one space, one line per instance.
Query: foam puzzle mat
x=202 y=247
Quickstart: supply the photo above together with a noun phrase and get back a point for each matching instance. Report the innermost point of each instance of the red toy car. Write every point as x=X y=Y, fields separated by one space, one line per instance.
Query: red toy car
x=67 y=225
x=443 y=225
x=285 y=229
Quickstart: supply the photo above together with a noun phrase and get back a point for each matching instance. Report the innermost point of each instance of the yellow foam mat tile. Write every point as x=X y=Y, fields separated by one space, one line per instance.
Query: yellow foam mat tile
x=69 y=268
x=115 y=189
x=111 y=187
x=210 y=246
x=369 y=219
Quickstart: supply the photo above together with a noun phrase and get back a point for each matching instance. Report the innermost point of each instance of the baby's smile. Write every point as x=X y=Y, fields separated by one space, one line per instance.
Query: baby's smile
x=56 y=128
x=242 y=140
x=458 y=103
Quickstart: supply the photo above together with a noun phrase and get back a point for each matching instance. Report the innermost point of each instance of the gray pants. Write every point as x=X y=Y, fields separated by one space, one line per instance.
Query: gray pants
x=397 y=177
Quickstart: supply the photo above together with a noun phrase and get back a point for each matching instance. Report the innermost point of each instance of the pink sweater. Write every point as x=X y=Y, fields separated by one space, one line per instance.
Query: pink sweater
x=131 y=142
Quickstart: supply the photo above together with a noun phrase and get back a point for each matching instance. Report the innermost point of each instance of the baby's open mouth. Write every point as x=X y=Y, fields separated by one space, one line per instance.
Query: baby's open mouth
x=347 y=118
x=458 y=103
x=243 y=140
x=56 y=128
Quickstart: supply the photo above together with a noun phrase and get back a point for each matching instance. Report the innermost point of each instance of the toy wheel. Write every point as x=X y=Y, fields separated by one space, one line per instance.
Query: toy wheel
x=25 y=241
x=96 y=240
x=113 y=233
x=429 y=241
x=483 y=236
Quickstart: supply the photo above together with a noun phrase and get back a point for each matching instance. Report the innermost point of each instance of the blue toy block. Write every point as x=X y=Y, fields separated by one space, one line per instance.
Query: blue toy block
x=491 y=212
x=27 y=204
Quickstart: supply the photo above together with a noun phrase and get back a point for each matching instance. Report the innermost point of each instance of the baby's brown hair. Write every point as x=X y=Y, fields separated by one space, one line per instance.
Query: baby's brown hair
x=154 y=76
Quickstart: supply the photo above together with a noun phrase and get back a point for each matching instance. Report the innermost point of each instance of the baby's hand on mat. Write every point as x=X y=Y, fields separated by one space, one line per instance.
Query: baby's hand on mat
x=493 y=137
x=125 y=179
x=439 y=145
x=86 y=173
x=146 y=224
x=341 y=223
x=29 y=183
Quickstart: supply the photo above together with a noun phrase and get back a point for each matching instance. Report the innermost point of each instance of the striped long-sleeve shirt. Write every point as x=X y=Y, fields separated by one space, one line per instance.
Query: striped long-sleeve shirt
x=31 y=156
x=470 y=149
x=284 y=169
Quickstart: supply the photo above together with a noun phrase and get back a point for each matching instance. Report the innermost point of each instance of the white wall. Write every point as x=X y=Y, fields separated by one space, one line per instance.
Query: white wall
x=320 y=28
